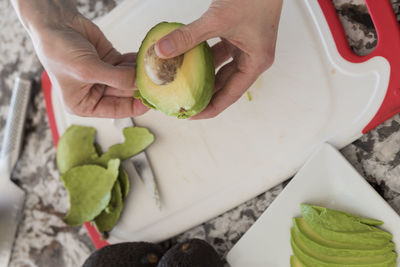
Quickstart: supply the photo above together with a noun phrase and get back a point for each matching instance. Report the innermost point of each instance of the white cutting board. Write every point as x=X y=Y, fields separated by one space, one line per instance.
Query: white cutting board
x=204 y=168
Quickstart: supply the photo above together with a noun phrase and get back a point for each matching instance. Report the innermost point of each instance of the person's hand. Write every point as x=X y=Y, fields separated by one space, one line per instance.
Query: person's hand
x=94 y=78
x=248 y=30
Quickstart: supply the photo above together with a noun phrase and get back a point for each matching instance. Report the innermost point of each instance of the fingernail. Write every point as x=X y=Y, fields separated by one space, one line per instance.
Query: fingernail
x=165 y=47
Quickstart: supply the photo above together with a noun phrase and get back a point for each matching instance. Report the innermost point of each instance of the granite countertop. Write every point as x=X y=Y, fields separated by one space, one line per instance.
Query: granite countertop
x=44 y=240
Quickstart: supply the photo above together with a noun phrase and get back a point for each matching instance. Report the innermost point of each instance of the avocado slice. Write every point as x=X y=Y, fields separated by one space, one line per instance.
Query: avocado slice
x=386 y=260
x=295 y=262
x=368 y=221
x=329 y=227
x=89 y=188
x=137 y=254
x=194 y=253
x=326 y=255
x=340 y=221
x=179 y=87
x=329 y=247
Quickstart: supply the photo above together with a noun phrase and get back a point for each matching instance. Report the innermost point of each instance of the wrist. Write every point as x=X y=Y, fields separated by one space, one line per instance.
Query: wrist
x=38 y=14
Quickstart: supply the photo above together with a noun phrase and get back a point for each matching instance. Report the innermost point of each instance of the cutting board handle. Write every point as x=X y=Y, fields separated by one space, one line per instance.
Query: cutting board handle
x=388 y=46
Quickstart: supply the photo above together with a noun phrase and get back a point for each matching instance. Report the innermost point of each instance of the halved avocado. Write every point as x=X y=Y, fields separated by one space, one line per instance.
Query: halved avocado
x=192 y=253
x=135 y=254
x=179 y=87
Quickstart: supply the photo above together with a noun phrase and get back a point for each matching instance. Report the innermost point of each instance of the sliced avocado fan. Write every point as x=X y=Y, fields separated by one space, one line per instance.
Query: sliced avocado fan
x=328 y=238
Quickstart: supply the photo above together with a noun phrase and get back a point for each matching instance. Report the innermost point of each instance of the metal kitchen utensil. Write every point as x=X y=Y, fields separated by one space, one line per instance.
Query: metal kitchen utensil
x=11 y=196
x=139 y=166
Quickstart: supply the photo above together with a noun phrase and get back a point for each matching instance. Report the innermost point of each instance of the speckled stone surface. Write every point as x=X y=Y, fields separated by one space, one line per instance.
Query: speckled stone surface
x=44 y=240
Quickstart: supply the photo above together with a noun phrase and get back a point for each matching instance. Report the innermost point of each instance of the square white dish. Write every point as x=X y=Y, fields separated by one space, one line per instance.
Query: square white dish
x=326 y=179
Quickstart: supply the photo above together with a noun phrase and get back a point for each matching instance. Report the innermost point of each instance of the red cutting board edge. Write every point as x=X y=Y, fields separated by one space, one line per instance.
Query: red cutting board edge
x=97 y=239
x=388 y=47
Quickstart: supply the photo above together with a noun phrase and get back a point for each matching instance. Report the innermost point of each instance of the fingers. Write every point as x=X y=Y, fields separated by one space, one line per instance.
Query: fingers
x=128 y=59
x=105 y=103
x=223 y=75
x=118 y=107
x=234 y=88
x=222 y=51
x=95 y=71
x=185 y=38
x=110 y=91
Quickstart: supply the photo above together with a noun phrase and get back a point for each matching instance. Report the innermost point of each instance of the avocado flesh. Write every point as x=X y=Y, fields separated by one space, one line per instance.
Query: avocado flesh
x=190 y=92
x=317 y=242
x=325 y=237
x=368 y=221
x=295 y=262
x=320 y=254
x=343 y=222
x=314 y=262
x=361 y=235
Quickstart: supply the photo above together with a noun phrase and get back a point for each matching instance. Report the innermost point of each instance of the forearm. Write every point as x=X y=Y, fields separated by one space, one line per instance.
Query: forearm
x=35 y=14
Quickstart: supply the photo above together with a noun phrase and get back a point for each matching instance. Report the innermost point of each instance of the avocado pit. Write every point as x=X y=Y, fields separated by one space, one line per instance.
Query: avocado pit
x=161 y=71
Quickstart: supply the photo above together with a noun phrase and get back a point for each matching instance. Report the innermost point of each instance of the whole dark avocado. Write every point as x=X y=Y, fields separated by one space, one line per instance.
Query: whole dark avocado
x=129 y=254
x=192 y=253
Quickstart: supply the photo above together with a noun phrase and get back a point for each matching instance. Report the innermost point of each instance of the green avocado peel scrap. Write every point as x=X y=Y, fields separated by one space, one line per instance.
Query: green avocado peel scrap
x=80 y=159
x=89 y=188
x=110 y=215
x=76 y=147
x=136 y=140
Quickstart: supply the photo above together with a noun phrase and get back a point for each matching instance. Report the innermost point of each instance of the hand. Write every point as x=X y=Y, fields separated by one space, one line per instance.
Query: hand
x=248 y=30
x=94 y=78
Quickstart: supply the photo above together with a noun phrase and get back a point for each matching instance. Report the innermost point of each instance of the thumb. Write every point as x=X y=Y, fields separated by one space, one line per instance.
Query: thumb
x=184 y=38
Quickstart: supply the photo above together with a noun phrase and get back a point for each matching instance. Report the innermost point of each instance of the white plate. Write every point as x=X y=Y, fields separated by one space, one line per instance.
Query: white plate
x=327 y=179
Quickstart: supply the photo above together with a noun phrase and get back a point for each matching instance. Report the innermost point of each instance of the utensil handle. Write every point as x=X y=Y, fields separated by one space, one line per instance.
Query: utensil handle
x=15 y=123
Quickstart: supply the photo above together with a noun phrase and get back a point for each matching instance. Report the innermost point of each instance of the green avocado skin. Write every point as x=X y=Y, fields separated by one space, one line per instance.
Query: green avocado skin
x=86 y=204
x=76 y=147
x=330 y=238
x=205 y=84
x=79 y=157
x=110 y=215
